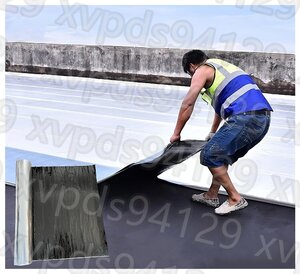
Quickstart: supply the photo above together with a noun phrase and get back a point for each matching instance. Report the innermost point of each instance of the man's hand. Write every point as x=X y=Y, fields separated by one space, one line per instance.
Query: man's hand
x=209 y=136
x=175 y=138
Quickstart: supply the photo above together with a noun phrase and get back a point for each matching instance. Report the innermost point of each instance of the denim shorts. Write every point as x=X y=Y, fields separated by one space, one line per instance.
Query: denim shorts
x=233 y=140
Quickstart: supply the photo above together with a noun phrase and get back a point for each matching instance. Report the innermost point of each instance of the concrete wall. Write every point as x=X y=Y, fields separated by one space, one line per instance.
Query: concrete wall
x=274 y=73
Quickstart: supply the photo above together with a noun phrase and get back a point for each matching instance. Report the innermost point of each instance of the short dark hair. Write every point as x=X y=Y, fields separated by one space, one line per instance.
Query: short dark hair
x=195 y=56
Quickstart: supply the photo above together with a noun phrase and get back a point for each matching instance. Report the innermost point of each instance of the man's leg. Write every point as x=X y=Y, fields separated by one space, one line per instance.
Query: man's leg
x=213 y=190
x=221 y=177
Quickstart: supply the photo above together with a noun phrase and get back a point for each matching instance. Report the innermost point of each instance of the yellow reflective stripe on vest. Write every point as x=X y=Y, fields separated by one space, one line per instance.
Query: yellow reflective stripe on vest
x=219 y=77
x=206 y=97
x=236 y=95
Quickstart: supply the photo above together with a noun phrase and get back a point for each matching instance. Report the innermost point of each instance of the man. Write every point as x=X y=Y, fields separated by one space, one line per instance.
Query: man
x=236 y=99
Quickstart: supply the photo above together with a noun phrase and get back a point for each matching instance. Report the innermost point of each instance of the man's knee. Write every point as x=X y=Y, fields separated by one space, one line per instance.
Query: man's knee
x=211 y=158
x=205 y=157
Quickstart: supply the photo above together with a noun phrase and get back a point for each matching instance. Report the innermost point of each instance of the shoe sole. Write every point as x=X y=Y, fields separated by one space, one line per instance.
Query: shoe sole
x=245 y=205
x=203 y=202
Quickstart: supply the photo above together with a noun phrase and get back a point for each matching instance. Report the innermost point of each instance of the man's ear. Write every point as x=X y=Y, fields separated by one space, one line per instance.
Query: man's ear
x=193 y=66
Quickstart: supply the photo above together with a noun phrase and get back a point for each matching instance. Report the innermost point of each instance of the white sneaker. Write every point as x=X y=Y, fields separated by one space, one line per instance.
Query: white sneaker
x=214 y=202
x=226 y=208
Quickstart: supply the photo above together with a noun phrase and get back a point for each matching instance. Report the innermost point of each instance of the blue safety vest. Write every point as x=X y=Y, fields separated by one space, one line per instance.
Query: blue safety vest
x=233 y=91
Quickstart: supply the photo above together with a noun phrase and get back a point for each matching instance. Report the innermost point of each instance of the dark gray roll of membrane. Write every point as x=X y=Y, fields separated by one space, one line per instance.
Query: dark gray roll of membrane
x=58 y=213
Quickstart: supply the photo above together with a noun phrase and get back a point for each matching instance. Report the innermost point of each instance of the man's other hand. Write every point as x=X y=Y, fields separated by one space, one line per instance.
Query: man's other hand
x=209 y=136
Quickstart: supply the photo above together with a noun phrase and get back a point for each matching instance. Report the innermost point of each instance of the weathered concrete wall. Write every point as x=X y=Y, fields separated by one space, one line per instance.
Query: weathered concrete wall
x=274 y=73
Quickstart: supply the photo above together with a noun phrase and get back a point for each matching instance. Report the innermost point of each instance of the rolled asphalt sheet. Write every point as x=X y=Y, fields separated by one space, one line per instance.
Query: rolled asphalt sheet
x=57 y=214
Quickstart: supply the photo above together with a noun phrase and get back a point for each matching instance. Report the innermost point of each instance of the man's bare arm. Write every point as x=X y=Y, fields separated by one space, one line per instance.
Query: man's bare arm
x=187 y=106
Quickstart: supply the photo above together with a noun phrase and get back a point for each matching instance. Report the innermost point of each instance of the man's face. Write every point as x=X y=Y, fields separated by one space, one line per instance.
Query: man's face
x=190 y=73
x=191 y=70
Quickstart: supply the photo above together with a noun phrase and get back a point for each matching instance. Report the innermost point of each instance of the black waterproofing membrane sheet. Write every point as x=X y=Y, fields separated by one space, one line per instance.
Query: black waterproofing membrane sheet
x=150 y=223
x=174 y=153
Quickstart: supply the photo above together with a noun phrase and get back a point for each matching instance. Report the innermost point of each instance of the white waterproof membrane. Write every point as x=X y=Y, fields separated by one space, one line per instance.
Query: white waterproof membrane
x=114 y=123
